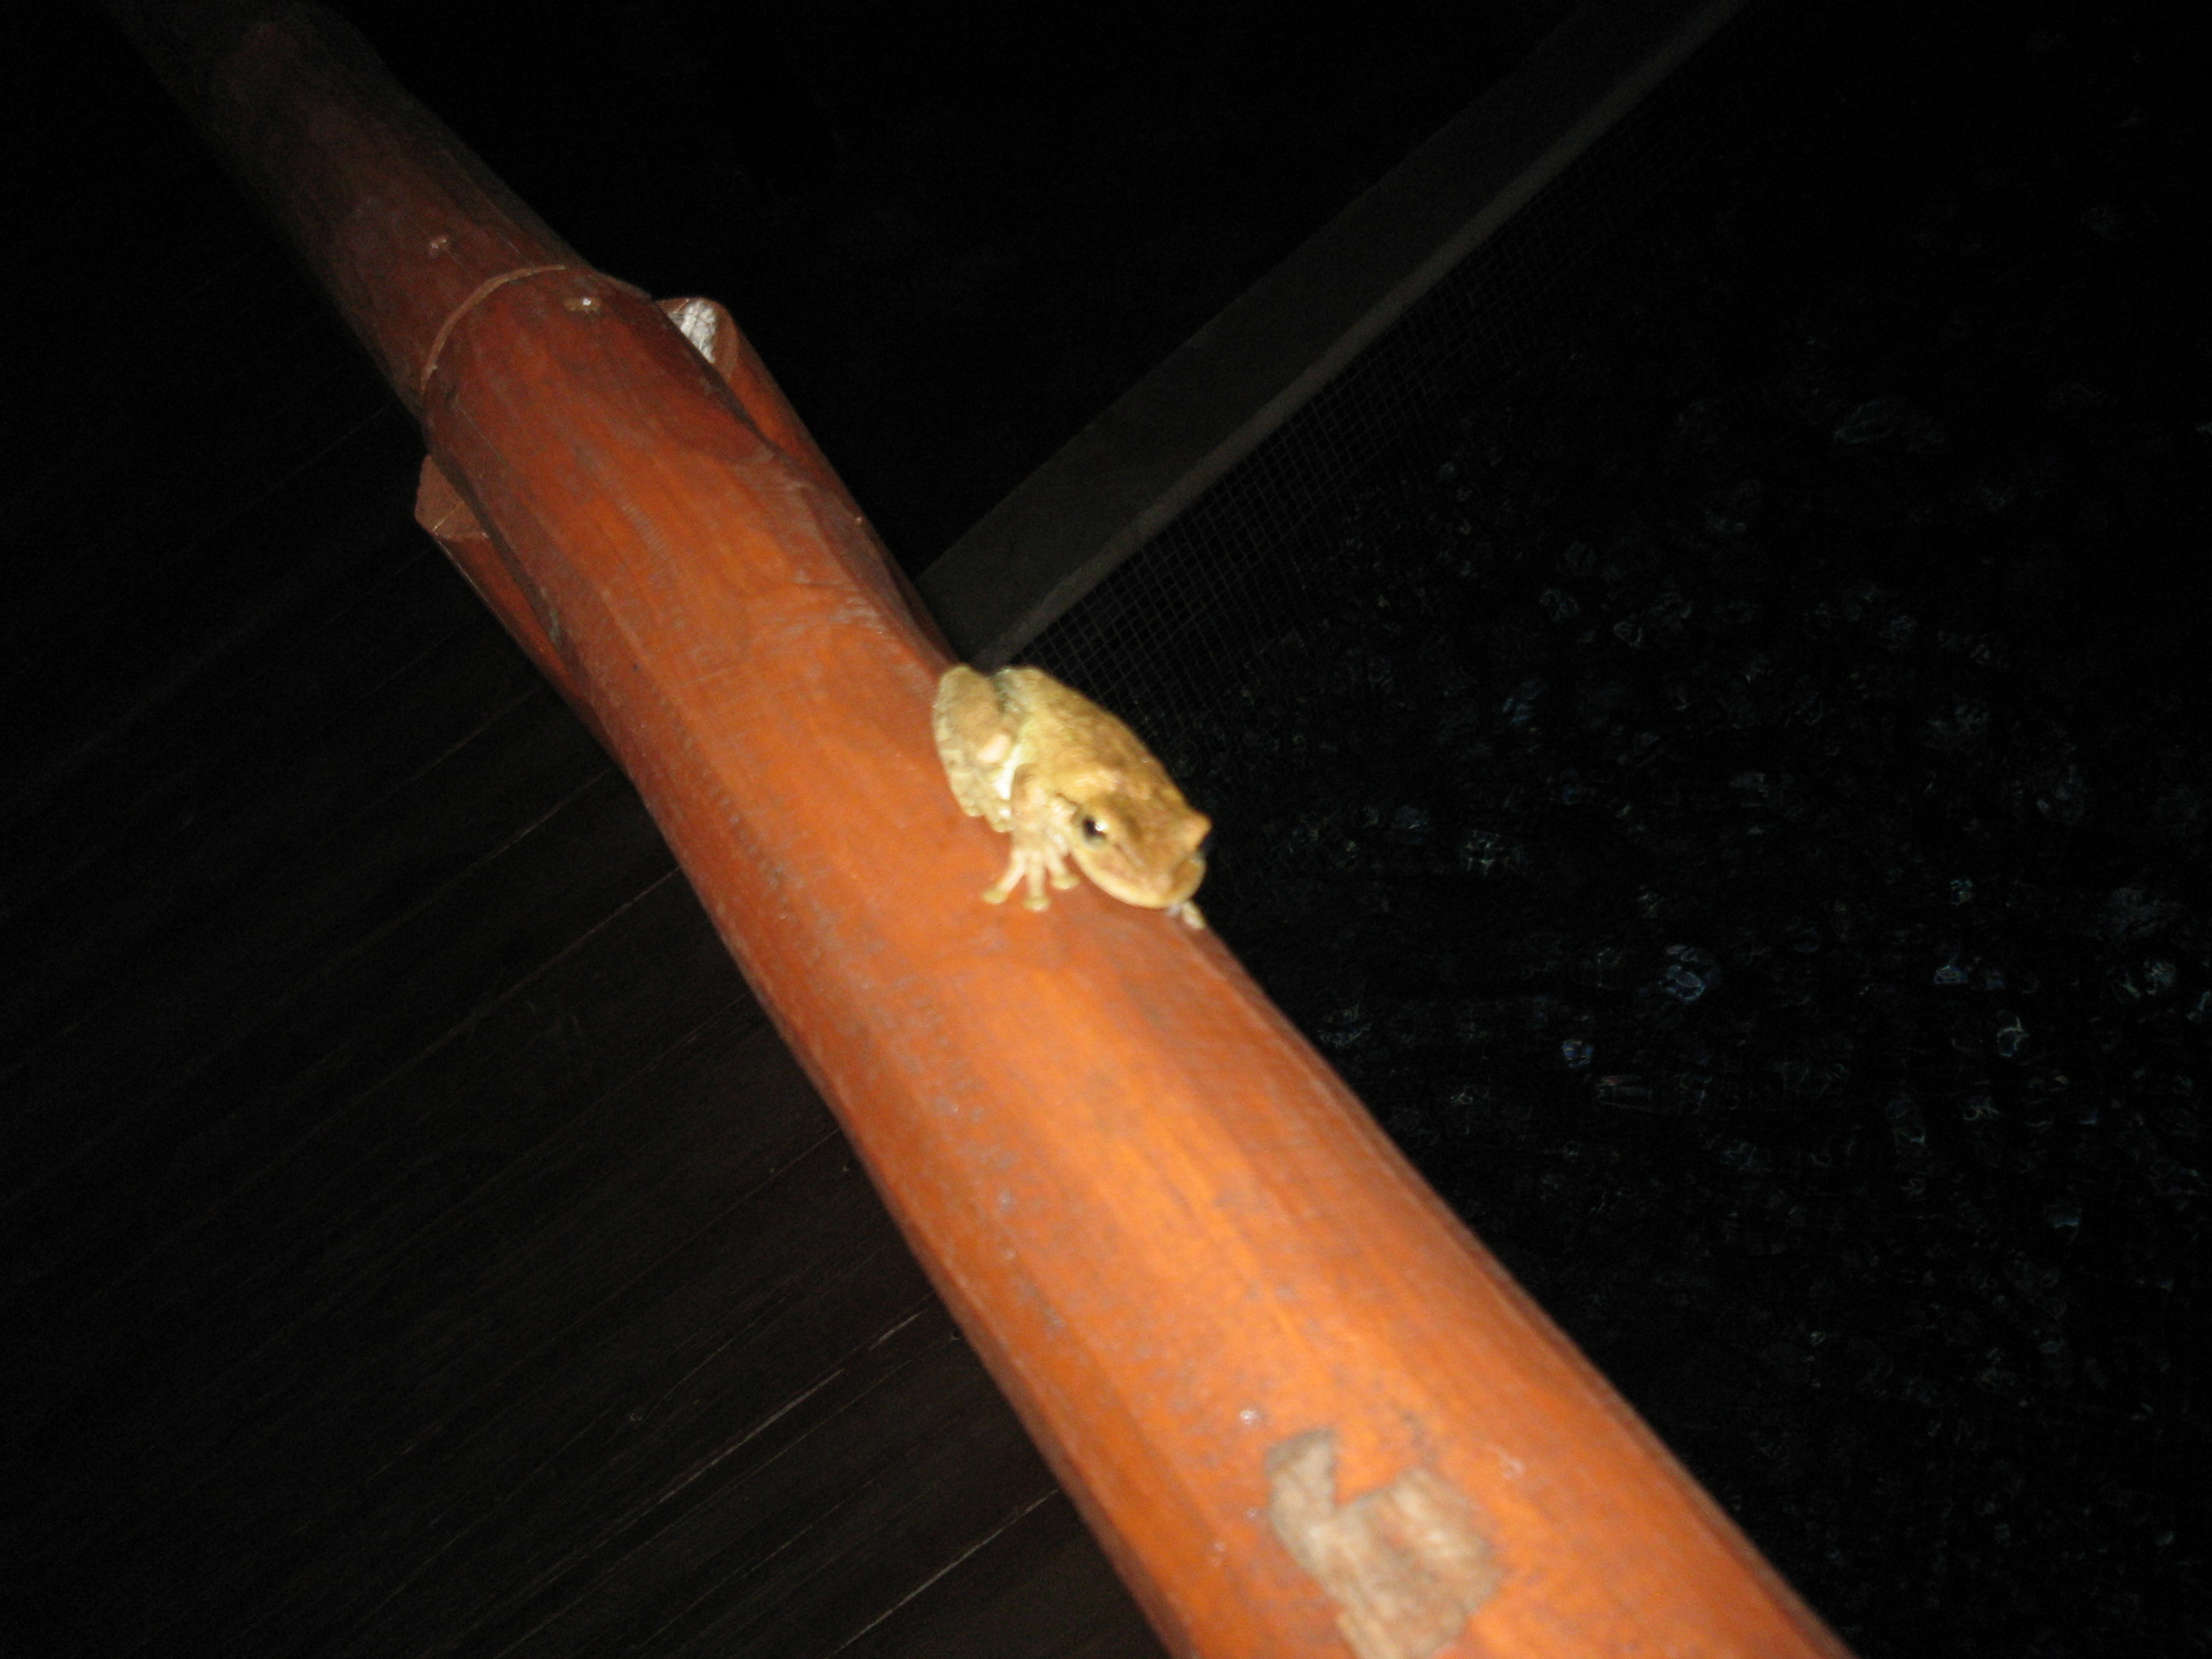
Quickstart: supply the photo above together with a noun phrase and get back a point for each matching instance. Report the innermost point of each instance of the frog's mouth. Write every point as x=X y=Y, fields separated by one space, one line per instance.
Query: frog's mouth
x=1150 y=896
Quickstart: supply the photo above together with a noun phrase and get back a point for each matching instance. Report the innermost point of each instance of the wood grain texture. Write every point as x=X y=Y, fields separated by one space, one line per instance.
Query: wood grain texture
x=1174 y=1237
x=1082 y=1125
x=449 y=1279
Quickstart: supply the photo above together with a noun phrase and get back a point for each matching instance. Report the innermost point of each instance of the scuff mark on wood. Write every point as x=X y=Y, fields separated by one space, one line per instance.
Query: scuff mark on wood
x=1405 y=1564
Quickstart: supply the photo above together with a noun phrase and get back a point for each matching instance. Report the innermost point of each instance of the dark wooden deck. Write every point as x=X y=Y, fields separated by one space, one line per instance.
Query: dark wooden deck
x=417 y=1241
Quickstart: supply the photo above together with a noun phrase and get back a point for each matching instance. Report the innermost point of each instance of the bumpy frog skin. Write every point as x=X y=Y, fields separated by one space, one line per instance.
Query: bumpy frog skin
x=1068 y=780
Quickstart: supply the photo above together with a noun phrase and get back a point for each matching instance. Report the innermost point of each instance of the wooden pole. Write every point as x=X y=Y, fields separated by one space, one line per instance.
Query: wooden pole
x=1306 y=1413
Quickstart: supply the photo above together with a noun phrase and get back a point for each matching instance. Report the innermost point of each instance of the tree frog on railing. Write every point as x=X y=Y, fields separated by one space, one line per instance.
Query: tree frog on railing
x=1049 y=767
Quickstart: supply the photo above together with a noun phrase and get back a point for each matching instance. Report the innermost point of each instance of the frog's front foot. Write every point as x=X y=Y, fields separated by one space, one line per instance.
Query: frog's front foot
x=1032 y=867
x=1024 y=869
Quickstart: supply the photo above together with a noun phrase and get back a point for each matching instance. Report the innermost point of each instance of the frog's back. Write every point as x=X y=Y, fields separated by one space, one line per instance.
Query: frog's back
x=1059 y=719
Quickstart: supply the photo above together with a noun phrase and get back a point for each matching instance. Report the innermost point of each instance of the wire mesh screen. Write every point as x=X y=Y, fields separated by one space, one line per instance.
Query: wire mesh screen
x=1234 y=578
x=1708 y=735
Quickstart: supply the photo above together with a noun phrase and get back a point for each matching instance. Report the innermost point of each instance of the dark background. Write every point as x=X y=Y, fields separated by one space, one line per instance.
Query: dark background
x=1762 y=870
x=1737 y=808
x=1737 y=802
x=954 y=232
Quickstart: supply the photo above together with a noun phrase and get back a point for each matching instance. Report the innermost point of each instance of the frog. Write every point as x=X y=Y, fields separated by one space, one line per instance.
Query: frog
x=1040 y=762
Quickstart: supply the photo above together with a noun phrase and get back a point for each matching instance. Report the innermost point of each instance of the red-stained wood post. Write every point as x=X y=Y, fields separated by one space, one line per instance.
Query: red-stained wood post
x=1306 y=1412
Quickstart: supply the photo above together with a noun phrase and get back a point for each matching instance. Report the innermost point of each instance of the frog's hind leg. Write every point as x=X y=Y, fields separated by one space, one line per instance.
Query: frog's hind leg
x=974 y=739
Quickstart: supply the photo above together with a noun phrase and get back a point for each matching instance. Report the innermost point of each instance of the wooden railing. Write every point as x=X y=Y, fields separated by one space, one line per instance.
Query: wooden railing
x=1305 y=1411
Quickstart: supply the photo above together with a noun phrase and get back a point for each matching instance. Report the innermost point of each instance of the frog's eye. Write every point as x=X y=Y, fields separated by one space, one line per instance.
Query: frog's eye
x=1093 y=830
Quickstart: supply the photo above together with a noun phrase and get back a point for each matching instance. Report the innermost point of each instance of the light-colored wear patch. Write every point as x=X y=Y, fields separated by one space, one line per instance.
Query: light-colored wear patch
x=701 y=321
x=1404 y=1564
